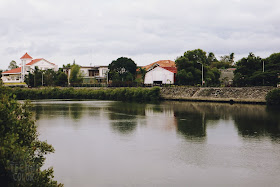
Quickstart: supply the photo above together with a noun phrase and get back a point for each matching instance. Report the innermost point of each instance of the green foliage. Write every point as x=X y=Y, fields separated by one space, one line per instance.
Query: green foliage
x=61 y=79
x=122 y=69
x=34 y=79
x=13 y=65
x=21 y=152
x=119 y=94
x=49 y=78
x=249 y=71
x=273 y=97
x=189 y=69
x=75 y=75
x=142 y=72
x=183 y=77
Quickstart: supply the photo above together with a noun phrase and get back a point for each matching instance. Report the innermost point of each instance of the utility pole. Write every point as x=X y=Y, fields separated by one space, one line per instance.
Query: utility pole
x=201 y=73
x=107 y=77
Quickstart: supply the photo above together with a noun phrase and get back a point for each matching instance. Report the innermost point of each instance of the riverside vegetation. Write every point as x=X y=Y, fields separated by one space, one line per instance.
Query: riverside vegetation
x=129 y=94
x=273 y=97
x=22 y=154
x=118 y=94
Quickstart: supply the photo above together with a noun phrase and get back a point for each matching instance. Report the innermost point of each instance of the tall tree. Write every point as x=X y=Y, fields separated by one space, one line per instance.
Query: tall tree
x=75 y=75
x=13 y=65
x=61 y=79
x=189 y=68
x=248 y=71
x=122 y=69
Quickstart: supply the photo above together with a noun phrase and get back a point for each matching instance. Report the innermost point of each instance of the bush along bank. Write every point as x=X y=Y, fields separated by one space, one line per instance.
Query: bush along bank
x=118 y=94
x=273 y=97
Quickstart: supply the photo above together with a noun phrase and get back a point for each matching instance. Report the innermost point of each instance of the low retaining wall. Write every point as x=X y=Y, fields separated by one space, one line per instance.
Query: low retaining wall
x=225 y=94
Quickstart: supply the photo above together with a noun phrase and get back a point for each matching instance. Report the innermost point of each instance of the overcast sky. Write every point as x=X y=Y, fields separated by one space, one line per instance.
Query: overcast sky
x=97 y=32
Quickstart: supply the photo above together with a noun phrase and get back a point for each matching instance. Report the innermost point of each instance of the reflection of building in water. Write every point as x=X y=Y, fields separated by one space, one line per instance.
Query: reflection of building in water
x=162 y=116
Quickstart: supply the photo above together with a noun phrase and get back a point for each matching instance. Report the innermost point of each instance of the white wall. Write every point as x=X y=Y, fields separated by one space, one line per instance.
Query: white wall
x=44 y=65
x=103 y=71
x=159 y=74
x=84 y=71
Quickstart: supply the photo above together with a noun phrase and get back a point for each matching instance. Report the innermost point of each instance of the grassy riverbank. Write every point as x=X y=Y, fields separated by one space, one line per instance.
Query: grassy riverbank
x=118 y=94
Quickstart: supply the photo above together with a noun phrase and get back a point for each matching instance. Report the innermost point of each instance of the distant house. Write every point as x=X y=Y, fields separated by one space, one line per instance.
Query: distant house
x=227 y=75
x=28 y=64
x=91 y=74
x=160 y=72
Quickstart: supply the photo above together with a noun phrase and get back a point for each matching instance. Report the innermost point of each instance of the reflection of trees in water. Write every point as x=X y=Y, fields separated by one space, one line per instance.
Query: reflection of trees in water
x=124 y=127
x=258 y=123
x=74 y=110
x=191 y=124
x=250 y=120
x=49 y=110
x=124 y=116
x=128 y=108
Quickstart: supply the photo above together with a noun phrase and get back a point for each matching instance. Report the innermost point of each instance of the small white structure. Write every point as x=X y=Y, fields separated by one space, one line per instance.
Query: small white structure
x=28 y=64
x=161 y=75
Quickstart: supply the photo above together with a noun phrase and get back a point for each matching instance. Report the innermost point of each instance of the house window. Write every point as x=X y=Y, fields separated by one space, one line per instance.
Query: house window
x=93 y=73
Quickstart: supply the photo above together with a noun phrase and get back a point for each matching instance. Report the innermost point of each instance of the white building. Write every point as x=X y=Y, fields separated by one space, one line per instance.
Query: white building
x=161 y=72
x=91 y=74
x=28 y=64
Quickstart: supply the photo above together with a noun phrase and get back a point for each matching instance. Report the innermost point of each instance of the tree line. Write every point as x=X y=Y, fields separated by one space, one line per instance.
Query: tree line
x=250 y=71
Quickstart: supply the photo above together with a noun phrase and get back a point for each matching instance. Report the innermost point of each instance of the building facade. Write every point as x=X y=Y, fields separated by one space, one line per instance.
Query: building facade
x=28 y=64
x=91 y=74
x=160 y=72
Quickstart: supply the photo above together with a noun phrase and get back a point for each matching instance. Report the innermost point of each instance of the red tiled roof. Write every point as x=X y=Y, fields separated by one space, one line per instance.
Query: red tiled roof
x=26 y=56
x=16 y=70
x=37 y=60
x=162 y=63
x=172 y=69
x=34 y=61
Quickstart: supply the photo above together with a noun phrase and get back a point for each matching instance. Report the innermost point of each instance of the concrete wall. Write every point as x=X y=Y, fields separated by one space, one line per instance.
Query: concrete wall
x=225 y=94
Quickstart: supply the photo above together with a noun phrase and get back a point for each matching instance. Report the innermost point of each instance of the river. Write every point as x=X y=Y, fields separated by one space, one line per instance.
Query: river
x=109 y=143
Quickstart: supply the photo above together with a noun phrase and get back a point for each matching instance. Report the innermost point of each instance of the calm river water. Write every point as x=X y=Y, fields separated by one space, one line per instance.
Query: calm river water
x=108 y=143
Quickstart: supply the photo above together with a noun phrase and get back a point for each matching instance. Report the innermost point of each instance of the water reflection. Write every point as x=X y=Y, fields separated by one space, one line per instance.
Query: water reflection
x=171 y=143
x=123 y=116
x=258 y=122
x=190 y=124
x=76 y=110
x=191 y=120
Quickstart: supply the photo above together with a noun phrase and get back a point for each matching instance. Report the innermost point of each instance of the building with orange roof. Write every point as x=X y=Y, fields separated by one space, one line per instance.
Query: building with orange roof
x=28 y=64
x=160 y=72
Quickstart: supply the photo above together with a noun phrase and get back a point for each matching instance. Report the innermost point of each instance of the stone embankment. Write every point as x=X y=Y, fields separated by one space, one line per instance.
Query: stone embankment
x=224 y=94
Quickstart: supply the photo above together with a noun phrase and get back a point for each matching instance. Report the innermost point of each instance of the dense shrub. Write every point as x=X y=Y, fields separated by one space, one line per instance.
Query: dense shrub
x=119 y=94
x=22 y=154
x=273 y=97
